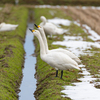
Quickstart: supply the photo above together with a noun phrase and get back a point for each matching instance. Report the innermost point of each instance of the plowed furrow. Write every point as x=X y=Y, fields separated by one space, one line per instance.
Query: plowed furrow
x=85 y=16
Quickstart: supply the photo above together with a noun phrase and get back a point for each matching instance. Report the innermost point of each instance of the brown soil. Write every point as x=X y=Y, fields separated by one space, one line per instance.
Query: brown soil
x=89 y=16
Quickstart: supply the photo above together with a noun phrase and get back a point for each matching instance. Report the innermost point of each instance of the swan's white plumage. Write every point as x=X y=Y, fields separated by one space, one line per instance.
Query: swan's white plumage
x=50 y=28
x=7 y=27
x=57 y=60
x=66 y=52
x=60 y=61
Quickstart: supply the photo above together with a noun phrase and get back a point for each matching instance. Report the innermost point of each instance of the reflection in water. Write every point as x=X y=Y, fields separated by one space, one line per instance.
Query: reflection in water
x=28 y=85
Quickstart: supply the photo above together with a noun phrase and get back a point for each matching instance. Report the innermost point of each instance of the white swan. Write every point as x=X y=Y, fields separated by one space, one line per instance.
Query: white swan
x=50 y=28
x=70 y=54
x=57 y=60
x=7 y=27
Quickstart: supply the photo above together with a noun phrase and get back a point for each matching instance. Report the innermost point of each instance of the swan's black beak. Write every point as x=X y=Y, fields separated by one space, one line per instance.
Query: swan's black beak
x=36 y=25
x=30 y=30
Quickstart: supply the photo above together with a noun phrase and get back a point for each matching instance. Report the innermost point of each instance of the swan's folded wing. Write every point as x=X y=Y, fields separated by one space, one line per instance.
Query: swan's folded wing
x=60 y=61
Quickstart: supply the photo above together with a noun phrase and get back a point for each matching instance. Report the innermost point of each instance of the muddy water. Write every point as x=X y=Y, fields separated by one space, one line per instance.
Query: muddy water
x=28 y=84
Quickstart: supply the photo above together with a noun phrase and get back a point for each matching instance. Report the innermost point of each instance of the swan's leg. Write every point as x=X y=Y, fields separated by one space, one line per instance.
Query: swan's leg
x=61 y=73
x=56 y=73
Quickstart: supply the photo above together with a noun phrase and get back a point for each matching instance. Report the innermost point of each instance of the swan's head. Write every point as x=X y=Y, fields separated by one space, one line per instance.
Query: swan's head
x=43 y=18
x=39 y=27
x=35 y=32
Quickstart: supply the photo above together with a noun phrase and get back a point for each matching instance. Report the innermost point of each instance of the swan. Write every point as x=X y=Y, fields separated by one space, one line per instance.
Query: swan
x=7 y=27
x=50 y=28
x=57 y=60
x=70 y=54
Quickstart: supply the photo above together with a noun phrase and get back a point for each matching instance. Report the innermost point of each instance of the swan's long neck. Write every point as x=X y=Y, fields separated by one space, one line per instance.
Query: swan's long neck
x=42 y=47
x=43 y=20
x=44 y=39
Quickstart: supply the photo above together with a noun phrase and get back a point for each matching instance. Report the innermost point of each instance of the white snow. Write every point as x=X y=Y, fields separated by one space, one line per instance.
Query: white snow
x=94 y=36
x=77 y=47
x=82 y=90
x=46 y=6
x=58 y=21
x=58 y=6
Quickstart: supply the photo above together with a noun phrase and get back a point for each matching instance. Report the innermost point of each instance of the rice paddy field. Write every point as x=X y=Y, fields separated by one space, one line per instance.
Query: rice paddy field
x=81 y=36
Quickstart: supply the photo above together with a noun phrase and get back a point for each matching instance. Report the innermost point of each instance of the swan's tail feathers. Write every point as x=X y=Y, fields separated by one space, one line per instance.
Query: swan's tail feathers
x=76 y=67
x=78 y=61
x=60 y=31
